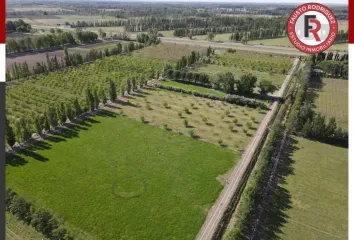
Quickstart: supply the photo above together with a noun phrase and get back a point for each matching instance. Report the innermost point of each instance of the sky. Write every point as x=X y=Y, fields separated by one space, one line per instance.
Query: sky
x=262 y=1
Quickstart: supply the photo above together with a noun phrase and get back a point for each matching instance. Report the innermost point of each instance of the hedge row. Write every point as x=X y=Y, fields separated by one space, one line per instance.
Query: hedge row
x=41 y=219
x=251 y=196
x=234 y=99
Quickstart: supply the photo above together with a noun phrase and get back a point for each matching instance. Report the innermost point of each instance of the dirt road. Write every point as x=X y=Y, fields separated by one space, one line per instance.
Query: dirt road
x=216 y=213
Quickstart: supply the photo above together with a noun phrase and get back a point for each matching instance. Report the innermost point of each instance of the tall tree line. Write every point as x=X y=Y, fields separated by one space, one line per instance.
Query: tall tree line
x=18 y=26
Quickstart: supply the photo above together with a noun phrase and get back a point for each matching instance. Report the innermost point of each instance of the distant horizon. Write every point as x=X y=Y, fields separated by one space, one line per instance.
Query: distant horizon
x=328 y=2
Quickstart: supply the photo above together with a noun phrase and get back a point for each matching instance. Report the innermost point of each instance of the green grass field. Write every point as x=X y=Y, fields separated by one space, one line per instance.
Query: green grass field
x=332 y=100
x=284 y=42
x=16 y=229
x=108 y=30
x=193 y=88
x=150 y=105
x=117 y=178
x=318 y=192
x=225 y=37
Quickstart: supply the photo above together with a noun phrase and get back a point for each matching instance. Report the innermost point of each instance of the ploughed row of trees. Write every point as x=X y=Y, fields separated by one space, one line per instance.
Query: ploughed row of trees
x=37 y=42
x=21 y=70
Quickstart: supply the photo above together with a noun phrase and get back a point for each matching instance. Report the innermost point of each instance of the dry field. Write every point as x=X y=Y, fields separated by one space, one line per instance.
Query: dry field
x=168 y=51
x=211 y=121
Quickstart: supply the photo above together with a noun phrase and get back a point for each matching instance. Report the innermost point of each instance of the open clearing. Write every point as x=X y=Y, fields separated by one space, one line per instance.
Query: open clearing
x=314 y=197
x=192 y=87
x=122 y=179
x=332 y=100
x=150 y=105
x=16 y=230
x=167 y=51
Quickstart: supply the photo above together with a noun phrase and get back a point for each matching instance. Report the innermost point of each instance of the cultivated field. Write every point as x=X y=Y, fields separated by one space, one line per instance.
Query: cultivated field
x=263 y=66
x=167 y=51
x=313 y=200
x=34 y=57
x=122 y=178
x=192 y=87
x=332 y=100
x=210 y=121
x=275 y=78
x=34 y=96
x=16 y=229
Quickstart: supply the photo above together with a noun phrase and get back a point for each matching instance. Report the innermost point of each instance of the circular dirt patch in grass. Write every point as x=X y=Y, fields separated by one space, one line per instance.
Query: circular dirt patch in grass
x=129 y=188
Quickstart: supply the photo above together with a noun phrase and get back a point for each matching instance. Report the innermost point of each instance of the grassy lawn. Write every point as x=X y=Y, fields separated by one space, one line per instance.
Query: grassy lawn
x=276 y=79
x=318 y=192
x=193 y=88
x=332 y=100
x=150 y=105
x=168 y=51
x=218 y=37
x=284 y=42
x=16 y=229
x=116 y=178
x=108 y=30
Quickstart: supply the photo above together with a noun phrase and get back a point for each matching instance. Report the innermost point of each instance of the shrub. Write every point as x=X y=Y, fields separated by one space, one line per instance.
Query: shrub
x=230 y=98
x=222 y=116
x=245 y=131
x=191 y=133
x=186 y=110
x=231 y=128
x=165 y=104
x=220 y=141
x=142 y=119
x=227 y=112
x=235 y=120
x=253 y=119
x=147 y=106
x=249 y=124
x=165 y=126
x=205 y=119
x=192 y=105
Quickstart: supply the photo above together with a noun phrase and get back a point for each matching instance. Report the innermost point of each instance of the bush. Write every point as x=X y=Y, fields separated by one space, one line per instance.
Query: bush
x=41 y=219
x=230 y=98
x=142 y=119
x=249 y=124
x=185 y=122
x=165 y=104
x=235 y=120
x=205 y=119
x=220 y=141
x=191 y=133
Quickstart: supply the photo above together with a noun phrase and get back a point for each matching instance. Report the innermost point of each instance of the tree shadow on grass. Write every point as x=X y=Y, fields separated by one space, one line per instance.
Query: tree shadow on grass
x=275 y=214
x=61 y=134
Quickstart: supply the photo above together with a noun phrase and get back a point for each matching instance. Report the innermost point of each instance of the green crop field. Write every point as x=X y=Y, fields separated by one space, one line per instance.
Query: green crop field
x=33 y=96
x=332 y=100
x=116 y=178
x=16 y=229
x=275 y=78
x=193 y=88
x=315 y=193
x=210 y=120
x=168 y=51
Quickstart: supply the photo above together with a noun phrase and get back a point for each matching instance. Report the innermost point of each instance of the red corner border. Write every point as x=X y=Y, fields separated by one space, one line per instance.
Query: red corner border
x=2 y=21
x=351 y=21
